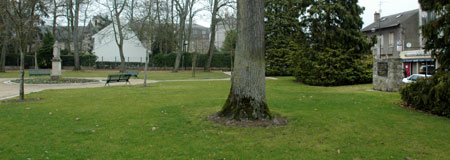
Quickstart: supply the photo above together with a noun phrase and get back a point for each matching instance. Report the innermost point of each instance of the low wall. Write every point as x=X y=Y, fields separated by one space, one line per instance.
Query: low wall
x=388 y=75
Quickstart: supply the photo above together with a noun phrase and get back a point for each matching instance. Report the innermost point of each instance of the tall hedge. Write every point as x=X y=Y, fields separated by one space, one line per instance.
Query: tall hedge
x=166 y=60
x=430 y=95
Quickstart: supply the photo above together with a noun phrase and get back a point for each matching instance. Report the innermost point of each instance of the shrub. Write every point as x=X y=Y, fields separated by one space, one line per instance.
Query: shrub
x=85 y=60
x=429 y=95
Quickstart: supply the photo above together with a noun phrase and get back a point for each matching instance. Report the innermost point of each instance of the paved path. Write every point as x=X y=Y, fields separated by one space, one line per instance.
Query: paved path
x=11 y=90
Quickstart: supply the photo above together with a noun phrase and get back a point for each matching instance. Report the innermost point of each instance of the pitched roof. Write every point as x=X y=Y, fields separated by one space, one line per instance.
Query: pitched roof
x=391 y=21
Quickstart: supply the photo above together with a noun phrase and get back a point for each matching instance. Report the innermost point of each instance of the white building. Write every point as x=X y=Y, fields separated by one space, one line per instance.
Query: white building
x=105 y=46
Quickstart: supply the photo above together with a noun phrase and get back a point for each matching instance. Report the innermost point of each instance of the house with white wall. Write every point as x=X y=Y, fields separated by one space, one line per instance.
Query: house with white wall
x=105 y=46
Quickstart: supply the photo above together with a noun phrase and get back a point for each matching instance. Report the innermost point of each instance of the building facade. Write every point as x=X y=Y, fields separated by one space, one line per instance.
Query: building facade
x=399 y=43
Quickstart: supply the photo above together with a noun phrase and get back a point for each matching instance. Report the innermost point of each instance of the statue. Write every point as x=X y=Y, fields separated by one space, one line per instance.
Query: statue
x=56 y=51
x=56 y=62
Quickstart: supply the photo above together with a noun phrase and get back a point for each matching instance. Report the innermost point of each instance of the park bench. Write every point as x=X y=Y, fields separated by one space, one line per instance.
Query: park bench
x=38 y=72
x=121 y=77
x=134 y=73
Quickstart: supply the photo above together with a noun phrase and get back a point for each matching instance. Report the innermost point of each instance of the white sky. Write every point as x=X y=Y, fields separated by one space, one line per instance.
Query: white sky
x=388 y=7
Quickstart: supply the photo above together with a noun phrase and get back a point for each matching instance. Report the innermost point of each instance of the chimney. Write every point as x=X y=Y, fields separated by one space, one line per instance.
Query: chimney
x=376 y=16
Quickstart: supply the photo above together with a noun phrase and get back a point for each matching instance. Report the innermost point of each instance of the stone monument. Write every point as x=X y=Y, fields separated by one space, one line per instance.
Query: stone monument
x=56 y=62
x=388 y=75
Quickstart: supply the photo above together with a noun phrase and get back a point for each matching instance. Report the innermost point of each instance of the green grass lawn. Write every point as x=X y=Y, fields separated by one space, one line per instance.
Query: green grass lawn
x=116 y=123
x=153 y=75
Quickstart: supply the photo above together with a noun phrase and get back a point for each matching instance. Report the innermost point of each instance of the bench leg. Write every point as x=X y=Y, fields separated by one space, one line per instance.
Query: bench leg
x=106 y=84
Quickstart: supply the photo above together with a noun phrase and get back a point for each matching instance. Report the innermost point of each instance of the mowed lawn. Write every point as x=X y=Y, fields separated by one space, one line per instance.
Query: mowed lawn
x=153 y=75
x=349 y=122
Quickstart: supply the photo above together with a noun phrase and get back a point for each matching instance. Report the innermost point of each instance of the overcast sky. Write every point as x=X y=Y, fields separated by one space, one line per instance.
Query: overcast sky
x=388 y=7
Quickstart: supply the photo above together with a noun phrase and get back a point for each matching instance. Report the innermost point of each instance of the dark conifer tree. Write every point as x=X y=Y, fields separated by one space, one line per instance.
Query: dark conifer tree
x=335 y=47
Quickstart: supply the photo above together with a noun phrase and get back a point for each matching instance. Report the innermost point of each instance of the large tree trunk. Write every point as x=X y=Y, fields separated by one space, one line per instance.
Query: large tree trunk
x=76 y=40
x=22 y=72
x=3 y=55
x=247 y=98
x=180 y=45
x=122 y=56
x=194 y=63
x=213 y=36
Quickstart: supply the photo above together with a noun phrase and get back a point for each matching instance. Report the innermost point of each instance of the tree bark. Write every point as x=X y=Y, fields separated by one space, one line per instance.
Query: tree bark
x=194 y=63
x=76 y=44
x=3 y=55
x=247 y=98
x=55 y=17
x=4 y=46
x=213 y=36
x=22 y=72
x=36 y=66
x=118 y=32
x=181 y=34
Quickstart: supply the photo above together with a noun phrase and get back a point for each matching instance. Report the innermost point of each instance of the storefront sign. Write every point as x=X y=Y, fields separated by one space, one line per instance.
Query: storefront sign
x=416 y=53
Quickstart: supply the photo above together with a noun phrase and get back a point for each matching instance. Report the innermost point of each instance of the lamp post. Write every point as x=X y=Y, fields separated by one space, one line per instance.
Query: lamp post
x=147 y=61
x=185 y=51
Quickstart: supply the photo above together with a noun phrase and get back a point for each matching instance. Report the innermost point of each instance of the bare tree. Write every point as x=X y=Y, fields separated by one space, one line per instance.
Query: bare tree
x=192 y=14
x=116 y=8
x=215 y=6
x=76 y=35
x=182 y=10
x=56 y=12
x=23 y=17
x=247 y=98
x=73 y=9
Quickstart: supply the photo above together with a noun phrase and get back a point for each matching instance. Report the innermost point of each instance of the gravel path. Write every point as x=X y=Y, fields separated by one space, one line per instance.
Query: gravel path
x=10 y=90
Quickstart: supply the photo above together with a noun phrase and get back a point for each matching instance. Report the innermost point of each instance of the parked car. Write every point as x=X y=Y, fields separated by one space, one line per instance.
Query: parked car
x=414 y=78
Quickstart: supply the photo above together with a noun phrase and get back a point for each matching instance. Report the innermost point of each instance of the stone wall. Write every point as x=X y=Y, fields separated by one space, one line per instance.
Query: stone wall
x=392 y=82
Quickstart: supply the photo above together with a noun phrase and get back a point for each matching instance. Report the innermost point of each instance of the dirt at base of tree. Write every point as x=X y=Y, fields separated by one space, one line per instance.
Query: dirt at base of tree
x=18 y=100
x=276 y=121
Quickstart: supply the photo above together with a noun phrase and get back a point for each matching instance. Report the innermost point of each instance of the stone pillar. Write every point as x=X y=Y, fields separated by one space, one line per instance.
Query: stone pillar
x=56 y=62
x=388 y=75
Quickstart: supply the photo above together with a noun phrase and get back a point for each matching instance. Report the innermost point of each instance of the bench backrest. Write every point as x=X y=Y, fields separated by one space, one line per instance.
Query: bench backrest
x=121 y=76
x=38 y=71
x=133 y=72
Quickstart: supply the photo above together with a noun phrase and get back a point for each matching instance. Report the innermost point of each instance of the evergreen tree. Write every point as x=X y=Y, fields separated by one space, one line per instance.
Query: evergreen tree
x=229 y=45
x=45 y=53
x=282 y=28
x=437 y=31
x=335 y=48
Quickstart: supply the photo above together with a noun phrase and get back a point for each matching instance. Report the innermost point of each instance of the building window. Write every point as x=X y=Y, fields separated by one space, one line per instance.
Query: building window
x=391 y=39
x=381 y=41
